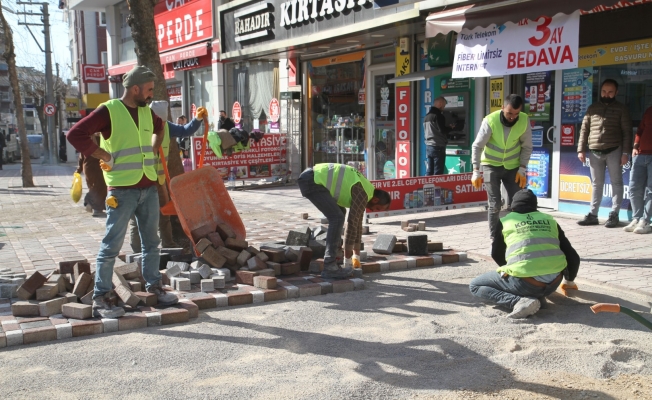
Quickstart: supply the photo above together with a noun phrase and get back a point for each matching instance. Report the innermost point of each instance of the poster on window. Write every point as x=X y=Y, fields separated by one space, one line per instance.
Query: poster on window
x=264 y=159
x=429 y=193
x=538 y=179
x=538 y=91
x=577 y=94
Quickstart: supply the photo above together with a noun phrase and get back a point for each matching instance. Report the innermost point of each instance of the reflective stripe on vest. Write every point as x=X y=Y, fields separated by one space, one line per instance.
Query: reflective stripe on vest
x=497 y=151
x=129 y=145
x=532 y=241
x=166 y=151
x=338 y=179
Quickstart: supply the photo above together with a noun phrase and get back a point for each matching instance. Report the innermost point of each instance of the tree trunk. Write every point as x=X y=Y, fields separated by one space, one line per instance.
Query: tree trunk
x=10 y=57
x=44 y=128
x=144 y=34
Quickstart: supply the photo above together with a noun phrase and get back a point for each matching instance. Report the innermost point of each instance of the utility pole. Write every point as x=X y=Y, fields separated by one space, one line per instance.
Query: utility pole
x=49 y=92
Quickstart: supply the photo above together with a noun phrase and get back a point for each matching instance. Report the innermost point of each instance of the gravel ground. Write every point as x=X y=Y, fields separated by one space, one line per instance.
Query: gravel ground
x=412 y=334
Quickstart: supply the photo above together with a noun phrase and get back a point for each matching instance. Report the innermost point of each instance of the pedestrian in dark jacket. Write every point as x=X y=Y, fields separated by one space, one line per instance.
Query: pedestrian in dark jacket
x=605 y=140
x=436 y=135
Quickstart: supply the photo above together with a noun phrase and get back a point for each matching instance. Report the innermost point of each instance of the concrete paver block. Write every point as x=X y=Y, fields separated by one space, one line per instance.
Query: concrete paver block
x=47 y=292
x=417 y=245
x=207 y=285
x=384 y=244
x=76 y=311
x=28 y=308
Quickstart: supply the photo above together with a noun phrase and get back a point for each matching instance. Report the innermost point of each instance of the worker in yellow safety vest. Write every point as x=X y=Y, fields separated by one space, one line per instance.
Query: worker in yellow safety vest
x=332 y=188
x=534 y=256
x=500 y=154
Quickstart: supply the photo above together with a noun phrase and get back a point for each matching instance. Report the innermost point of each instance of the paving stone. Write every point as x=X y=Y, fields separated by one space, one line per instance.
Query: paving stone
x=424 y=262
x=243 y=257
x=230 y=255
x=265 y=282
x=417 y=245
x=370 y=267
x=110 y=325
x=47 y=292
x=437 y=259
x=195 y=277
x=221 y=299
x=128 y=271
x=326 y=287
x=266 y=272
x=182 y=284
x=81 y=284
x=296 y=238
x=399 y=247
x=305 y=256
x=213 y=258
x=201 y=300
x=201 y=232
x=51 y=307
x=363 y=255
x=14 y=338
x=86 y=327
x=345 y=285
x=358 y=284
x=64 y=331
x=273 y=245
x=257 y=296
x=316 y=266
x=27 y=290
x=422 y=225
x=245 y=277
x=264 y=257
x=239 y=298
x=87 y=299
x=384 y=244
x=311 y=289
x=449 y=258
x=206 y=285
x=77 y=311
x=3 y=340
x=174 y=315
x=149 y=299
x=129 y=258
x=292 y=254
x=384 y=266
x=132 y=321
x=274 y=255
x=236 y=244
x=66 y=267
x=274 y=294
x=137 y=286
x=153 y=318
x=256 y=264
x=172 y=270
x=192 y=308
x=79 y=269
x=27 y=308
x=70 y=298
x=290 y=268
x=173 y=251
x=435 y=246
x=225 y=231
x=8 y=291
x=218 y=281
x=204 y=271
x=127 y=296
x=215 y=239
x=58 y=279
x=397 y=265
x=41 y=334
x=462 y=256
x=274 y=266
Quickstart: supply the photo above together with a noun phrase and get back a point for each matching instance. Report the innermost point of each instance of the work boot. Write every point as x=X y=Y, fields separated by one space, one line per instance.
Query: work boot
x=612 y=221
x=589 y=219
x=333 y=271
x=524 y=308
x=163 y=298
x=631 y=226
x=99 y=213
x=643 y=227
x=103 y=307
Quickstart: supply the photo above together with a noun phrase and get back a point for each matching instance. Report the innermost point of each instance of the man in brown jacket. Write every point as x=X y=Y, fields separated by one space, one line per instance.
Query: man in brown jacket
x=606 y=135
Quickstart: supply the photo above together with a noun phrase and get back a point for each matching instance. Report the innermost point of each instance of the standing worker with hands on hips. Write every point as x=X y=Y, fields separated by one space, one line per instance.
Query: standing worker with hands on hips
x=606 y=135
x=131 y=135
x=500 y=154
x=332 y=188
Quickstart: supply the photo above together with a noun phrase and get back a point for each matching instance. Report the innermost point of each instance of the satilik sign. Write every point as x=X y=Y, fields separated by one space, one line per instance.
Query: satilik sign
x=544 y=44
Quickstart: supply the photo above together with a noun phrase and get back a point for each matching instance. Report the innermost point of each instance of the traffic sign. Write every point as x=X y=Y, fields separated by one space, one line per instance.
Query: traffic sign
x=274 y=110
x=49 y=109
x=236 y=112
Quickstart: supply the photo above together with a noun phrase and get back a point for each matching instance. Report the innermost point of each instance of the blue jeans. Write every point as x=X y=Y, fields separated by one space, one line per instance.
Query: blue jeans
x=321 y=198
x=508 y=291
x=640 y=187
x=493 y=177
x=144 y=204
x=436 y=156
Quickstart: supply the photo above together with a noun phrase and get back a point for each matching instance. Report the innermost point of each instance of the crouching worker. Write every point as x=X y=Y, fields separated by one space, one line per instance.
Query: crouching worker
x=332 y=188
x=534 y=256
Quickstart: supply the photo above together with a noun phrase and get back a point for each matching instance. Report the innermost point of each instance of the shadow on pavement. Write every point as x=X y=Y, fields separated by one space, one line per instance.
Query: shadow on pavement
x=470 y=217
x=30 y=192
x=621 y=262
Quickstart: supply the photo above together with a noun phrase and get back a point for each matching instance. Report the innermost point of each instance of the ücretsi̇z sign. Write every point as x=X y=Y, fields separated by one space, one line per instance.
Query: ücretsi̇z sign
x=182 y=22
x=264 y=159
x=527 y=46
x=429 y=193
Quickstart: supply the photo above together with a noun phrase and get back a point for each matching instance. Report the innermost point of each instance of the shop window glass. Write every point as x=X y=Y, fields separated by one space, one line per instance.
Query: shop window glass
x=252 y=84
x=200 y=89
x=337 y=120
x=127 y=45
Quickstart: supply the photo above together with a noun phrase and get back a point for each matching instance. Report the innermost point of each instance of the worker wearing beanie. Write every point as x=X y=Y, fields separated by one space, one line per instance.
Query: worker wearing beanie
x=130 y=138
x=534 y=256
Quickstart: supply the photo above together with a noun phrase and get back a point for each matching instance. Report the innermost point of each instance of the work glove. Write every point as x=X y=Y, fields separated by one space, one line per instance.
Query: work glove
x=348 y=263
x=107 y=165
x=476 y=179
x=521 y=178
x=355 y=261
x=566 y=285
x=201 y=113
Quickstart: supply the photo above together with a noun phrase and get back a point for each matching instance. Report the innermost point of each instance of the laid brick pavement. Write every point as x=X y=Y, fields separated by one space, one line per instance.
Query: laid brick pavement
x=42 y=226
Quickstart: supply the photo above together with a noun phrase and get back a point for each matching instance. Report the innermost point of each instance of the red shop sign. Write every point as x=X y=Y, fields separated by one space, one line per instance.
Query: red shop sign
x=403 y=131
x=180 y=23
x=93 y=73
x=236 y=112
x=274 y=110
x=568 y=135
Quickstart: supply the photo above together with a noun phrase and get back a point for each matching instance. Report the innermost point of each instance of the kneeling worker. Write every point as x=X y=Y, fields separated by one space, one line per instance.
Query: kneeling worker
x=533 y=254
x=332 y=188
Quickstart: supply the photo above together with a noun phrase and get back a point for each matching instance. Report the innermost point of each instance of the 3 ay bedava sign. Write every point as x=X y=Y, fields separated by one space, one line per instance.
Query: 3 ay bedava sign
x=545 y=44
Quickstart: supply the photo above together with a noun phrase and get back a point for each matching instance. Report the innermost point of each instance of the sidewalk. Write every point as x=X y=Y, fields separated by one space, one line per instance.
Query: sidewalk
x=43 y=226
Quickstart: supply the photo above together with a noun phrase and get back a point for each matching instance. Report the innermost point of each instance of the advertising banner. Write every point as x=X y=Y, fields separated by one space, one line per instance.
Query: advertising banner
x=429 y=193
x=403 y=60
x=264 y=159
x=538 y=91
x=72 y=104
x=180 y=23
x=403 y=115
x=544 y=44
x=577 y=94
x=616 y=53
x=496 y=94
x=538 y=179
x=575 y=182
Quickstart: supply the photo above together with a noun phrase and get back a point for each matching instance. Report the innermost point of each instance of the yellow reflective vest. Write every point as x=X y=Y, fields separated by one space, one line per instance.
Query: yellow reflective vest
x=338 y=179
x=498 y=151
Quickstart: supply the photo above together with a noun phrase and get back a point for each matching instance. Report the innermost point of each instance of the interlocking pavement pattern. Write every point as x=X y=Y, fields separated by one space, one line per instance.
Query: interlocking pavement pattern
x=41 y=226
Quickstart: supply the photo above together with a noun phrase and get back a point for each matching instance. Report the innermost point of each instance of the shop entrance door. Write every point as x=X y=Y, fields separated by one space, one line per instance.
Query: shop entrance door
x=380 y=108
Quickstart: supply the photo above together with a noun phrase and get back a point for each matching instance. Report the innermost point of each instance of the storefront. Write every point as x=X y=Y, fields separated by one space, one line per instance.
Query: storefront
x=339 y=58
x=612 y=43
